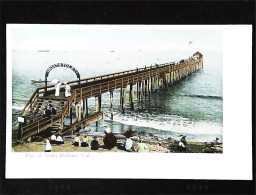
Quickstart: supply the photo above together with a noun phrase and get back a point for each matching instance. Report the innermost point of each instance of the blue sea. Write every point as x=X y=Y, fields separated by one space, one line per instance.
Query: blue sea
x=192 y=107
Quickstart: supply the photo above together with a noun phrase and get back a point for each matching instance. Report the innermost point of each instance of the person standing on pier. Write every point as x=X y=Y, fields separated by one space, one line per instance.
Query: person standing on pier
x=57 y=89
x=67 y=90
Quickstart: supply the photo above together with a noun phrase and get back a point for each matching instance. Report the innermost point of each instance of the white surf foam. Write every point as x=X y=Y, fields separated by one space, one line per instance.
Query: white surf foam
x=172 y=123
x=18 y=107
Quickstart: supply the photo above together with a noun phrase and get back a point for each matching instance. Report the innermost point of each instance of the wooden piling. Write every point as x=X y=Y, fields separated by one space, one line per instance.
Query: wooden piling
x=123 y=99
x=70 y=114
x=121 y=95
x=111 y=103
x=131 y=97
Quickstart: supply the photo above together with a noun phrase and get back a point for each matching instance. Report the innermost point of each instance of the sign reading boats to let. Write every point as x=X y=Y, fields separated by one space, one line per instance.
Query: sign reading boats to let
x=62 y=65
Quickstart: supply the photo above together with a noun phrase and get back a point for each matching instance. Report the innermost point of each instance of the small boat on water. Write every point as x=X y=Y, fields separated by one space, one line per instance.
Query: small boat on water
x=39 y=81
x=43 y=50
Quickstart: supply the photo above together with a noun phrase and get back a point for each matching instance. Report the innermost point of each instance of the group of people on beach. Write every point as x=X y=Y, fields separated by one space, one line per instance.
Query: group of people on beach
x=84 y=142
x=109 y=140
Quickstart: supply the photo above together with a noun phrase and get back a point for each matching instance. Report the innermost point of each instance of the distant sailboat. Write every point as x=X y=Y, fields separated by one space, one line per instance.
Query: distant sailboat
x=43 y=50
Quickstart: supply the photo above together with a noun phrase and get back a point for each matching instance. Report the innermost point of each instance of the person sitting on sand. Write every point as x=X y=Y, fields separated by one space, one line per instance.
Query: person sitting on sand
x=59 y=140
x=216 y=141
x=85 y=141
x=48 y=147
x=183 y=140
x=95 y=144
x=77 y=141
x=142 y=147
x=128 y=145
x=181 y=144
x=53 y=139
x=110 y=139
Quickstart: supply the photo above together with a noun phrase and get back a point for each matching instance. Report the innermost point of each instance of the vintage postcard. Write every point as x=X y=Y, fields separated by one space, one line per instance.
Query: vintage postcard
x=92 y=94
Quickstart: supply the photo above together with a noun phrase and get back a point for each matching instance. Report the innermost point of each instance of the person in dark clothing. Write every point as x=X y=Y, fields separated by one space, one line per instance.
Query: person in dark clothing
x=85 y=141
x=48 y=112
x=95 y=144
x=53 y=111
x=110 y=139
x=183 y=140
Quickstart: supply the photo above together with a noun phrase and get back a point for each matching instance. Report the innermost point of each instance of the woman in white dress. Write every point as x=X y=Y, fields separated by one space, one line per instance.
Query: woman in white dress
x=57 y=89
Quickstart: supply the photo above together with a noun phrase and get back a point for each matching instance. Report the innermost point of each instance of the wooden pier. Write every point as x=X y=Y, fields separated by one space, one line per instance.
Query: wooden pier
x=140 y=83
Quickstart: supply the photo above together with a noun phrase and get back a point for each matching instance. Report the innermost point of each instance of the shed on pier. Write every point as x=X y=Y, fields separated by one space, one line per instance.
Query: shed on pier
x=197 y=55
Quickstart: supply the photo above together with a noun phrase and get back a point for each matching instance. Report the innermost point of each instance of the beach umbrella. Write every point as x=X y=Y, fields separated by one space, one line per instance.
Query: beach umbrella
x=54 y=81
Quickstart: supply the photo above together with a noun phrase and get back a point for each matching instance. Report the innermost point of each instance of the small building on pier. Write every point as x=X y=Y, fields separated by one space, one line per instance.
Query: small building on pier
x=197 y=55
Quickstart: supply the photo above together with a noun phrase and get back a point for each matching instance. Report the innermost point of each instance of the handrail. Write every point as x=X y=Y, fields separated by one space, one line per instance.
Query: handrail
x=30 y=100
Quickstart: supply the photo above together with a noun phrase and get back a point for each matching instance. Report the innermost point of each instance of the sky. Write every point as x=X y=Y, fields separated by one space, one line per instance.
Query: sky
x=116 y=38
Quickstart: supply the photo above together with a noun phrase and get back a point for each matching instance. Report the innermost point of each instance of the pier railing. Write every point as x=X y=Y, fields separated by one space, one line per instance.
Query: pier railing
x=127 y=76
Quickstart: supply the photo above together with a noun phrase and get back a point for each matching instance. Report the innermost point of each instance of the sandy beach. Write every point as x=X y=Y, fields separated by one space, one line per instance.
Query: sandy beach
x=153 y=142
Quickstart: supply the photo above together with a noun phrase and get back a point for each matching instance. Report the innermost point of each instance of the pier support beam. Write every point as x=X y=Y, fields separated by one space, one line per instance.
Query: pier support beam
x=111 y=103
x=121 y=95
x=139 y=88
x=131 y=97
x=123 y=99
x=70 y=114
x=96 y=109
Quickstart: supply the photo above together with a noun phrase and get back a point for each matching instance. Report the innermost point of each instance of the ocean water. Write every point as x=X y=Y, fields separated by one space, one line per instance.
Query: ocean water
x=192 y=107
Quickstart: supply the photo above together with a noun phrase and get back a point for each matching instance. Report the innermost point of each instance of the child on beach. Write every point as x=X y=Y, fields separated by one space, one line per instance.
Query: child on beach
x=142 y=147
x=48 y=146
x=77 y=141
x=85 y=141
